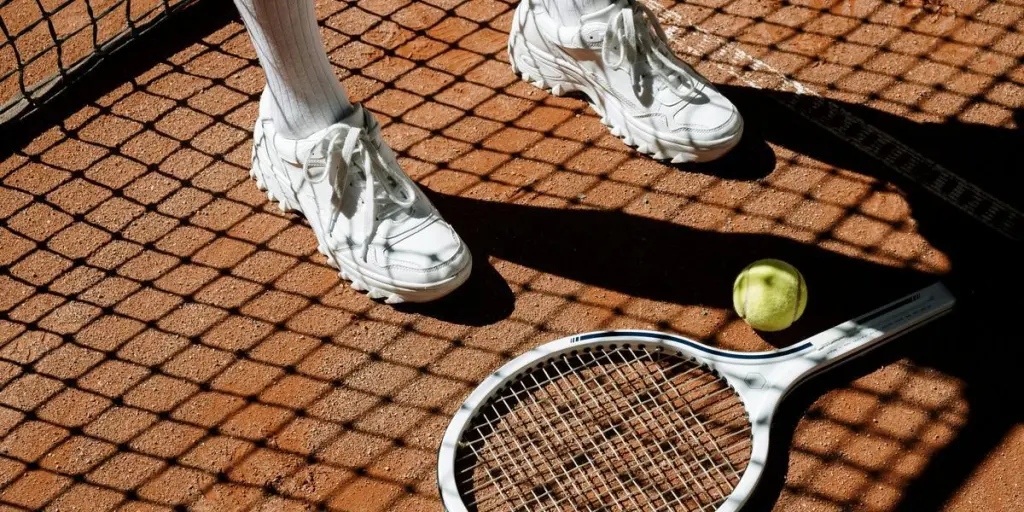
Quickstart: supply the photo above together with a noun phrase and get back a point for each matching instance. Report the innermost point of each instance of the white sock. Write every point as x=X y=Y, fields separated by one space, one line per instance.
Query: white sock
x=307 y=96
x=569 y=11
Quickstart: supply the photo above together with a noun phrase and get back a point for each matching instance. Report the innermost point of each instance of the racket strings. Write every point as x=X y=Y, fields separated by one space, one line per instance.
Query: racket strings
x=514 y=395
x=704 y=458
x=656 y=480
x=693 y=437
x=622 y=466
x=610 y=429
x=642 y=418
x=632 y=408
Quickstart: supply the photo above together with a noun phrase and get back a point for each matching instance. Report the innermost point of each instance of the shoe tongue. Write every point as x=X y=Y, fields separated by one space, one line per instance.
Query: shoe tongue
x=298 y=150
x=604 y=15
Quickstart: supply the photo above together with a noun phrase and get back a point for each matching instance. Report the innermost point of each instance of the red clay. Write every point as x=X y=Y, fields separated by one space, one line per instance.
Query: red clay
x=168 y=337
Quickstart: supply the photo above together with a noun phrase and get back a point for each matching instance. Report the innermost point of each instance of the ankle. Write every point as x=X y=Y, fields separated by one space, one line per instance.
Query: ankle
x=297 y=122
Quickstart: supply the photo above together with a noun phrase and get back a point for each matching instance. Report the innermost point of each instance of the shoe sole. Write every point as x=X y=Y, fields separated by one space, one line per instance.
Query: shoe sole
x=529 y=69
x=374 y=287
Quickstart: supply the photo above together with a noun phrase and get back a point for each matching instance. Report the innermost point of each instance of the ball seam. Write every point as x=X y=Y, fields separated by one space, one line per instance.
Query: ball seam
x=799 y=294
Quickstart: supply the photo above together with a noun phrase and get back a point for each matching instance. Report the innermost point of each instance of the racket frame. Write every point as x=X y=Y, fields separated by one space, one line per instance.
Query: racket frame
x=761 y=379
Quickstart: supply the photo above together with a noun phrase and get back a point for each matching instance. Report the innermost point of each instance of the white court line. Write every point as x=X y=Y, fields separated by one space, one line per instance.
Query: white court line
x=897 y=156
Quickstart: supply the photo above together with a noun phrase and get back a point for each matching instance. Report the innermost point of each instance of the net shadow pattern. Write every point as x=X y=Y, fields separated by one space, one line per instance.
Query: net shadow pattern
x=170 y=340
x=951 y=69
x=47 y=44
x=609 y=428
x=926 y=60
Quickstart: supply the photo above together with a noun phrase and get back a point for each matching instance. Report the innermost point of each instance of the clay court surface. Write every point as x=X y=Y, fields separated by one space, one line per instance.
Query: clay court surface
x=169 y=340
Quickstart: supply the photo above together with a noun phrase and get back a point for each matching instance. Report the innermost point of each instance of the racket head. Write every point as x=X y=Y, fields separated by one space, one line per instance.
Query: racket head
x=629 y=420
x=758 y=380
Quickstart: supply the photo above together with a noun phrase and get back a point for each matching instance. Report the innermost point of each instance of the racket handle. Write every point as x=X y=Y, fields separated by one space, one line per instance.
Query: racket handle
x=894 y=319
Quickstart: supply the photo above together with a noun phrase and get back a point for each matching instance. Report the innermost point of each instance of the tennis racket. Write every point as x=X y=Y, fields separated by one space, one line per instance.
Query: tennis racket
x=640 y=420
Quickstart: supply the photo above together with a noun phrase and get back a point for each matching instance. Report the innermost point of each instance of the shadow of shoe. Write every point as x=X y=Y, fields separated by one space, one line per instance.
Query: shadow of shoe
x=653 y=259
x=485 y=298
x=752 y=159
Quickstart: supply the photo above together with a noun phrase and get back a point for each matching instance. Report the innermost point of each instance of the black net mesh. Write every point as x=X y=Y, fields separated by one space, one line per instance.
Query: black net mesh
x=47 y=44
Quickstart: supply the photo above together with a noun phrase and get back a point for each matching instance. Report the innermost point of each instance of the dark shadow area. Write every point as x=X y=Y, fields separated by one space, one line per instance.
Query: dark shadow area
x=977 y=344
x=752 y=158
x=981 y=346
x=484 y=299
x=987 y=156
x=662 y=261
x=665 y=262
x=983 y=349
x=798 y=405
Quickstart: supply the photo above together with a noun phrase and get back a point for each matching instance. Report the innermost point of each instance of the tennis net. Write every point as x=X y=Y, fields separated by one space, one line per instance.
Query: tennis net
x=47 y=44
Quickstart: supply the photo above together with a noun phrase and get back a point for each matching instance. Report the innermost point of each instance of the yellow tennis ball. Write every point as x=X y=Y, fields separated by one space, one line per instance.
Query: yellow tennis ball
x=769 y=294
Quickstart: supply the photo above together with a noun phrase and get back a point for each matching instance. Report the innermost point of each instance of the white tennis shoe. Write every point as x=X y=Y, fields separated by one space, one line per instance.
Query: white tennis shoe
x=620 y=58
x=371 y=220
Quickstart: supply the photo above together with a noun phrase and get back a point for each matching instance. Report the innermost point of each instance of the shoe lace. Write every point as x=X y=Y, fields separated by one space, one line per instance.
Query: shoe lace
x=643 y=45
x=386 y=190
